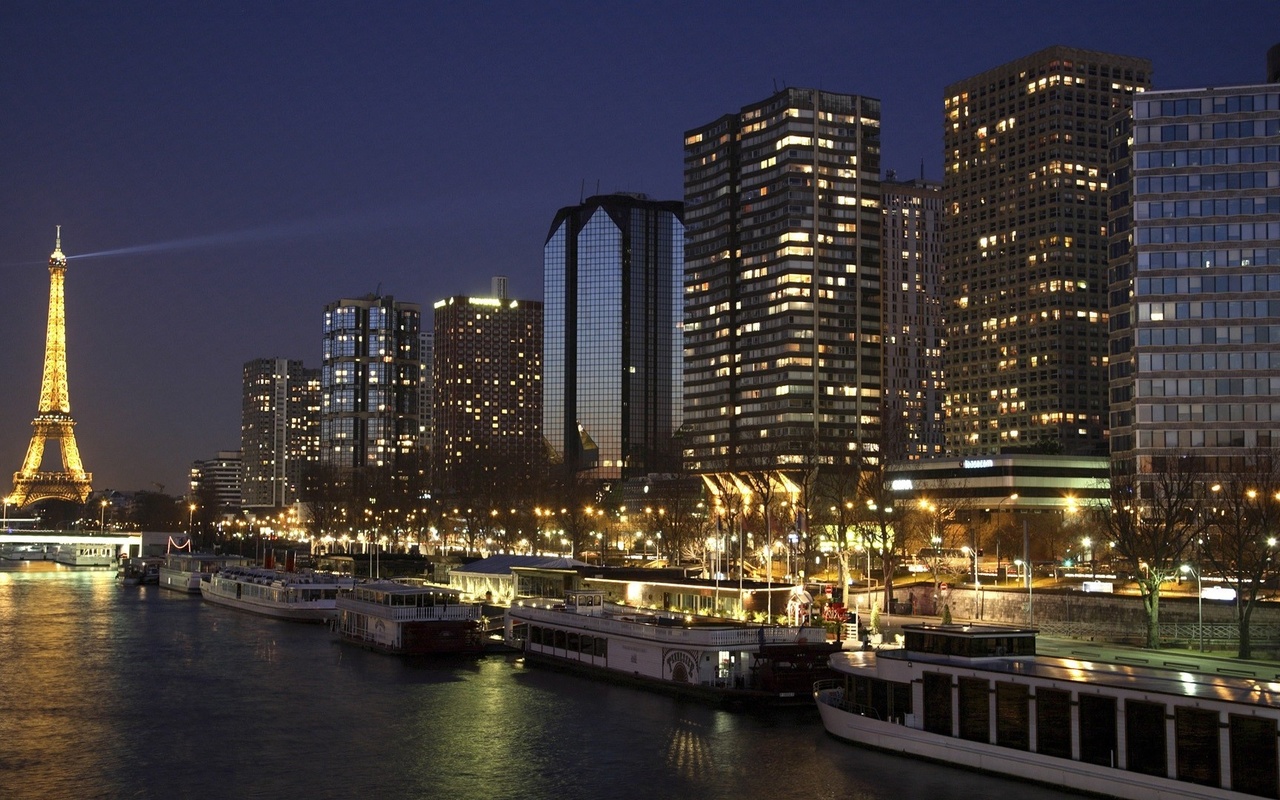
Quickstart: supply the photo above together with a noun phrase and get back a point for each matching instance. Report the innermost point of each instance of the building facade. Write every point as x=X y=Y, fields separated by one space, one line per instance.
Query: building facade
x=220 y=478
x=914 y=339
x=487 y=416
x=1195 y=276
x=369 y=382
x=1026 y=154
x=279 y=429
x=613 y=273
x=782 y=285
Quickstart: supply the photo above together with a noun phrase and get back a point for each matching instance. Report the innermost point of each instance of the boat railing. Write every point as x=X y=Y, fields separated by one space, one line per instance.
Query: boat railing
x=831 y=692
x=728 y=636
x=410 y=613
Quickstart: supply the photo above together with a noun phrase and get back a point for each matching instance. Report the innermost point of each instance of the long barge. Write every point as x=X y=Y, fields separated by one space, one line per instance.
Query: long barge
x=980 y=697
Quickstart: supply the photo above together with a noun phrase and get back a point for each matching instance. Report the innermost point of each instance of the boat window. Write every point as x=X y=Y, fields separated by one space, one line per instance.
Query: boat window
x=937 y=703
x=1053 y=722
x=1254 y=765
x=1146 y=751
x=1196 y=746
x=571 y=642
x=1013 y=716
x=975 y=710
x=1098 y=742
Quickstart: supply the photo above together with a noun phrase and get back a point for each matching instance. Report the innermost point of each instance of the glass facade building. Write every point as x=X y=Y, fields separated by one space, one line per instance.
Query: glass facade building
x=914 y=384
x=1195 y=277
x=782 y=285
x=369 y=374
x=487 y=389
x=279 y=429
x=1026 y=156
x=613 y=279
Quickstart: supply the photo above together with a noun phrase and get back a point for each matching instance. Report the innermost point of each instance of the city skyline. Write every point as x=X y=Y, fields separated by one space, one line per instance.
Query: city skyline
x=256 y=165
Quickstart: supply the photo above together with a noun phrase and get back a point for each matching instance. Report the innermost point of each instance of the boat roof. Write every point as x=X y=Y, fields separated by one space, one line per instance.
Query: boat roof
x=502 y=564
x=1088 y=674
x=402 y=588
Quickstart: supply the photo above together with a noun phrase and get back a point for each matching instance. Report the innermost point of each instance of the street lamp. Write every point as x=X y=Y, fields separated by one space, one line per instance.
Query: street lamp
x=1088 y=545
x=102 y=516
x=1186 y=568
x=191 y=515
x=977 y=609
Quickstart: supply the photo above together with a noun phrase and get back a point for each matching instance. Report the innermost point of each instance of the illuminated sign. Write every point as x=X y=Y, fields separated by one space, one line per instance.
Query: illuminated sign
x=979 y=463
x=901 y=485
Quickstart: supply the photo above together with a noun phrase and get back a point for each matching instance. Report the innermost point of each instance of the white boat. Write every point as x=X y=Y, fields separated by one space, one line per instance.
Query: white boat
x=979 y=697
x=24 y=552
x=711 y=658
x=87 y=555
x=409 y=619
x=304 y=596
x=182 y=572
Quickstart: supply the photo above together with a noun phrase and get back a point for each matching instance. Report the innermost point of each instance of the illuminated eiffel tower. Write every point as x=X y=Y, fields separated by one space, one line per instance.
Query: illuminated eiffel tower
x=53 y=419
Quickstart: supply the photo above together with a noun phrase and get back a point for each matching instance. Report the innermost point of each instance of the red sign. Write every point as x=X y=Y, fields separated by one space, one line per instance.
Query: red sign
x=944 y=587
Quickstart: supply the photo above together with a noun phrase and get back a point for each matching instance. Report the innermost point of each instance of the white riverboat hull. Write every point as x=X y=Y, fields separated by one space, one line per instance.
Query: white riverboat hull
x=297 y=597
x=180 y=581
x=1074 y=775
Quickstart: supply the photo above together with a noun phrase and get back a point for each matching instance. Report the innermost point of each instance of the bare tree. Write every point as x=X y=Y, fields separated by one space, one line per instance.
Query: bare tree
x=1244 y=514
x=1152 y=518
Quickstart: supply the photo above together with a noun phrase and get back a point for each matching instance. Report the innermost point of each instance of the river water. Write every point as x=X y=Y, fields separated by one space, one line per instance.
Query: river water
x=133 y=692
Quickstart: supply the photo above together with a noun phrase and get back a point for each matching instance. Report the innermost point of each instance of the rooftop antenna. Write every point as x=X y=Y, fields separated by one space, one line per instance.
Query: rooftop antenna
x=775 y=85
x=922 y=169
x=582 y=192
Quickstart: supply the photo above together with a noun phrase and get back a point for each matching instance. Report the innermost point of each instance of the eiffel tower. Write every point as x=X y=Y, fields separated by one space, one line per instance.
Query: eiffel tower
x=53 y=419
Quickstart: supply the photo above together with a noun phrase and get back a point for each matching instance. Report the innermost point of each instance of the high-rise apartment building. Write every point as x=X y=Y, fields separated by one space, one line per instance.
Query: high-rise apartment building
x=487 y=416
x=1025 y=278
x=279 y=429
x=782 y=284
x=1195 y=277
x=370 y=369
x=426 y=394
x=613 y=273
x=914 y=385
x=221 y=479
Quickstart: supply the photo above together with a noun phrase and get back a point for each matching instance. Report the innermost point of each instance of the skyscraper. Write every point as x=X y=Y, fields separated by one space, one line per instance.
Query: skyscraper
x=613 y=272
x=914 y=386
x=1195 y=275
x=369 y=382
x=782 y=214
x=221 y=480
x=488 y=391
x=1024 y=284
x=279 y=430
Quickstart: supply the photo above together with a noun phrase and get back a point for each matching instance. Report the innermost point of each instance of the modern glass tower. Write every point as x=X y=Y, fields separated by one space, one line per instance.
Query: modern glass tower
x=1195 y=277
x=613 y=272
x=279 y=430
x=1025 y=282
x=369 y=382
x=782 y=285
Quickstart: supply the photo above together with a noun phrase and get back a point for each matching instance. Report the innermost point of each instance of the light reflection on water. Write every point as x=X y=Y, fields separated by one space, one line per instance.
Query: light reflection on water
x=128 y=692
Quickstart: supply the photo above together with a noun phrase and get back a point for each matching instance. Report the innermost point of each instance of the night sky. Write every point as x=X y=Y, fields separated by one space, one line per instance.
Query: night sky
x=256 y=160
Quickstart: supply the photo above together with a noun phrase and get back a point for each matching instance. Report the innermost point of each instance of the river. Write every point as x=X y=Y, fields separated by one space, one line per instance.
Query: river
x=133 y=692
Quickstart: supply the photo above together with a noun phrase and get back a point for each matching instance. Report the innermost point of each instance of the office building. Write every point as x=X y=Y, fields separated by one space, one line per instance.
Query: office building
x=219 y=479
x=1196 y=277
x=1025 y=245
x=914 y=384
x=369 y=376
x=279 y=429
x=782 y=285
x=613 y=272
x=487 y=415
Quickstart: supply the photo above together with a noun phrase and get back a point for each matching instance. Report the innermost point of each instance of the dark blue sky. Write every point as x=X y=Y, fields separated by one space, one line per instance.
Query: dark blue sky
x=295 y=153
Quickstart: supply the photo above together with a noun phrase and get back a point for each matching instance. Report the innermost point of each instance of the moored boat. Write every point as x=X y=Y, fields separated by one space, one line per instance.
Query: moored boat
x=25 y=552
x=710 y=658
x=86 y=554
x=303 y=596
x=406 y=618
x=980 y=697
x=182 y=572
x=139 y=571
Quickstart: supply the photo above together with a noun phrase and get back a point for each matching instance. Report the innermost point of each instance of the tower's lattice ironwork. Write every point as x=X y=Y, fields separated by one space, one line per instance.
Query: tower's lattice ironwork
x=53 y=419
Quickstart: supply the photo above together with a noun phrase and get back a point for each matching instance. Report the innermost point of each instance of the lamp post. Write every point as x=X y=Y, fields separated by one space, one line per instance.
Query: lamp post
x=1188 y=569
x=102 y=516
x=191 y=515
x=977 y=609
